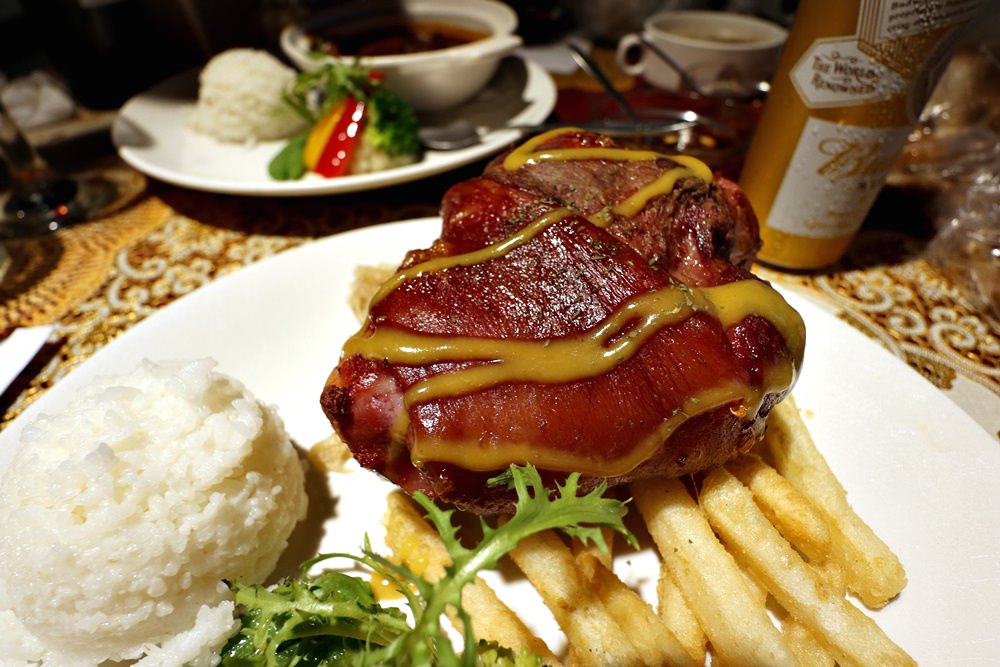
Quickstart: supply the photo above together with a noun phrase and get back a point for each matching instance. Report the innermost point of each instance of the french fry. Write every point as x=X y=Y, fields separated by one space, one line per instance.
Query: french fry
x=833 y=576
x=367 y=280
x=330 y=454
x=738 y=627
x=794 y=515
x=415 y=542
x=676 y=614
x=807 y=649
x=759 y=592
x=873 y=571
x=652 y=639
x=595 y=637
x=853 y=637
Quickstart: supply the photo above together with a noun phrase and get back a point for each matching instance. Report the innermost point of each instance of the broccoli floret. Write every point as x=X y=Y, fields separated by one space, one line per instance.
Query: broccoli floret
x=392 y=124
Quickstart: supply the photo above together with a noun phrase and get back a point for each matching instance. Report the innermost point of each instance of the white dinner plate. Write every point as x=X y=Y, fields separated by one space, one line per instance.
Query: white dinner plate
x=917 y=468
x=151 y=135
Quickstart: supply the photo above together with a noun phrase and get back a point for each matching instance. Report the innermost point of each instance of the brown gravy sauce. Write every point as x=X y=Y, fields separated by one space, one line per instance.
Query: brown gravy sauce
x=395 y=37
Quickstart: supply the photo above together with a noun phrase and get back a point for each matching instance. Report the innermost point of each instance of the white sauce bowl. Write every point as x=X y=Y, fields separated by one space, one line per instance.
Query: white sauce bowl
x=428 y=80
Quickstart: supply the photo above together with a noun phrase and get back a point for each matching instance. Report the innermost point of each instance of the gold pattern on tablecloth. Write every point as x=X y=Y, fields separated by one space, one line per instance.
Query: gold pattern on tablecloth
x=887 y=291
x=171 y=261
x=50 y=274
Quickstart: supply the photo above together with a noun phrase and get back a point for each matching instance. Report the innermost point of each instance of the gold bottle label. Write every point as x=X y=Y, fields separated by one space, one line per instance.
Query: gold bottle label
x=900 y=33
x=835 y=173
x=835 y=72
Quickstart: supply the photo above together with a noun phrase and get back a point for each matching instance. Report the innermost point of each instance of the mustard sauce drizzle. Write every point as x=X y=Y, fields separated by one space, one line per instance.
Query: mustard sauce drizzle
x=690 y=167
x=520 y=237
x=662 y=185
x=571 y=358
x=580 y=356
x=493 y=454
x=526 y=154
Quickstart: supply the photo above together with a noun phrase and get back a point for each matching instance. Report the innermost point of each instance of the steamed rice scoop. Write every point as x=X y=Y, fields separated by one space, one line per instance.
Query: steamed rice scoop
x=121 y=515
x=240 y=98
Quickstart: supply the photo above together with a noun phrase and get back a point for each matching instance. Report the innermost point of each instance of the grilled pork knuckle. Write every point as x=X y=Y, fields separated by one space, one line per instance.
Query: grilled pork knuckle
x=586 y=308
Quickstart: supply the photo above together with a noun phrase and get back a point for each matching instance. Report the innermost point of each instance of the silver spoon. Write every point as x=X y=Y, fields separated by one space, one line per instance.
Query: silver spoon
x=590 y=67
x=461 y=133
x=673 y=64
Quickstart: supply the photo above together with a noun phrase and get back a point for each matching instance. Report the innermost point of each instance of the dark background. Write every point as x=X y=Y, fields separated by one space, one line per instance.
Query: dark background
x=108 y=50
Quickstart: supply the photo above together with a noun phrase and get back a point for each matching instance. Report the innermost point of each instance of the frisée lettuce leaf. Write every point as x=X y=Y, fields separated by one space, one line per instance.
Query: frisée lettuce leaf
x=333 y=618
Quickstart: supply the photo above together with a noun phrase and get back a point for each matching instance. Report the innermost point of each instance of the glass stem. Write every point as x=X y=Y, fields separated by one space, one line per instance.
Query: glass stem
x=39 y=200
x=24 y=161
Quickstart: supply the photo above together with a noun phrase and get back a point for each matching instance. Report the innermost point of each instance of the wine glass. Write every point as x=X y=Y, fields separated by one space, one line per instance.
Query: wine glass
x=38 y=200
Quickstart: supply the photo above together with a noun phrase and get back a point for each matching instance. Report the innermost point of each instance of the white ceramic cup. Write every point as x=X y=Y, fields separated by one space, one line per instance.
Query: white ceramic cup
x=708 y=43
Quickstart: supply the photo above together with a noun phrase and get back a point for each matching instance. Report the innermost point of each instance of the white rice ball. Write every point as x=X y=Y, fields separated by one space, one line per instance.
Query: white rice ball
x=239 y=98
x=121 y=515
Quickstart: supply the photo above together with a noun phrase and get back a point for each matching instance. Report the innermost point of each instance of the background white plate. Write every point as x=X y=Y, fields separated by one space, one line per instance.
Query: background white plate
x=151 y=135
x=917 y=468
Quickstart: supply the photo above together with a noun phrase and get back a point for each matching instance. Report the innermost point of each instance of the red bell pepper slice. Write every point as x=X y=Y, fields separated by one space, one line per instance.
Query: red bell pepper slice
x=343 y=141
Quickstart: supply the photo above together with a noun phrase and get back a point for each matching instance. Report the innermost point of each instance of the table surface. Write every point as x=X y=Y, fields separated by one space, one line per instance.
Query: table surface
x=94 y=281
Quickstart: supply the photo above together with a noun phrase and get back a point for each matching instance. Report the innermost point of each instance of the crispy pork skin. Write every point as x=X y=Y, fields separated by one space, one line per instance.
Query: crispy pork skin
x=584 y=309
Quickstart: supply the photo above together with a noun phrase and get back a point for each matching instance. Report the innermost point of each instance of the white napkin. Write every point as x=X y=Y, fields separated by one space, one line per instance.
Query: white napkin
x=19 y=348
x=37 y=99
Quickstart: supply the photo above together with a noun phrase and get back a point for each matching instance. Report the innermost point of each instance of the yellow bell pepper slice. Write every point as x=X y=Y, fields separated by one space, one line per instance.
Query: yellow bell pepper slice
x=320 y=135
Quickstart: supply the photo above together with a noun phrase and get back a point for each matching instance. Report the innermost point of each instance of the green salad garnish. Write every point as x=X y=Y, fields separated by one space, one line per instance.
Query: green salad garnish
x=333 y=618
x=335 y=90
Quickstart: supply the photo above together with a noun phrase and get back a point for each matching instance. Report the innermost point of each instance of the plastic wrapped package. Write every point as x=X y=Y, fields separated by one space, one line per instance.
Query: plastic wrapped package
x=954 y=155
x=966 y=247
